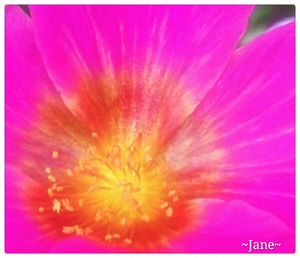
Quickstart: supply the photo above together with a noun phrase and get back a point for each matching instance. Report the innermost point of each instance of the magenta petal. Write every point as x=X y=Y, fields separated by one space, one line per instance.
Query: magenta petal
x=26 y=79
x=257 y=119
x=26 y=83
x=81 y=43
x=67 y=42
x=224 y=226
x=22 y=231
x=245 y=127
x=25 y=75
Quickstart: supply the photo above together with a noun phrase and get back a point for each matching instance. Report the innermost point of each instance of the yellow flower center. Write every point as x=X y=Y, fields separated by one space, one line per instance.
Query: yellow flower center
x=106 y=175
x=124 y=197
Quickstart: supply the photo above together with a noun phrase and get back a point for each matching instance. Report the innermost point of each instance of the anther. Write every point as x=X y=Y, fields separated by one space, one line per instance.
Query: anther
x=171 y=193
x=87 y=230
x=127 y=241
x=57 y=188
x=67 y=230
x=50 y=192
x=123 y=221
x=51 y=178
x=56 y=205
x=48 y=170
x=69 y=172
x=116 y=236
x=79 y=231
x=169 y=212
x=98 y=216
x=164 y=205
x=55 y=154
x=94 y=134
x=108 y=237
x=145 y=217
x=41 y=209
x=175 y=199
x=66 y=205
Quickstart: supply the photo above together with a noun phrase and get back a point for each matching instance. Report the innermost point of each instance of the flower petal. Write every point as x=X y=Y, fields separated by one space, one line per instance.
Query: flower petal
x=191 y=43
x=22 y=232
x=246 y=127
x=27 y=83
x=225 y=225
x=26 y=79
x=135 y=62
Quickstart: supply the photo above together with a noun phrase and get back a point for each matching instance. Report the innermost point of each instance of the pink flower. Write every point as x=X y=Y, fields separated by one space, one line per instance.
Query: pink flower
x=145 y=129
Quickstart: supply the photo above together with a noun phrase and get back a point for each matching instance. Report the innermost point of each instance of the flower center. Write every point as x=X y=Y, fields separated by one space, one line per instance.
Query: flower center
x=107 y=175
x=124 y=197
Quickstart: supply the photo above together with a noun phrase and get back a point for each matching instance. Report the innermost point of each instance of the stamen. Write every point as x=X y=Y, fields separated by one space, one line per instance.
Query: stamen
x=68 y=230
x=69 y=172
x=127 y=241
x=79 y=230
x=171 y=193
x=66 y=205
x=48 y=170
x=169 y=212
x=98 y=216
x=108 y=237
x=59 y=188
x=175 y=199
x=120 y=183
x=145 y=217
x=51 y=178
x=55 y=154
x=87 y=231
x=50 y=192
x=56 y=205
x=164 y=205
x=123 y=221
x=94 y=134
x=116 y=236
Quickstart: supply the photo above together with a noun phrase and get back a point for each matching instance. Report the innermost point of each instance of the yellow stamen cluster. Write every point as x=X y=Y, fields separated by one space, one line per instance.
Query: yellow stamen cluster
x=111 y=196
